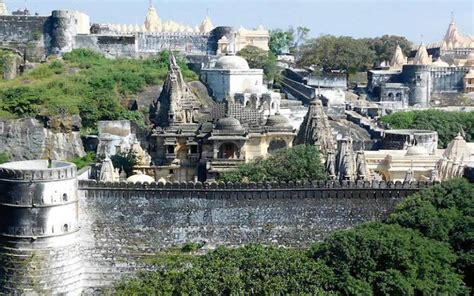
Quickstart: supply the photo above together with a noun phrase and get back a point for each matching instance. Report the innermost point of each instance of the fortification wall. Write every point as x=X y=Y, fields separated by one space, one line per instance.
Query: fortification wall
x=25 y=34
x=188 y=43
x=122 y=223
x=111 y=46
x=448 y=79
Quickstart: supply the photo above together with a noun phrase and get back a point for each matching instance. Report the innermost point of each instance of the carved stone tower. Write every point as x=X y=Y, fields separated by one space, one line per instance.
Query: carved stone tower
x=39 y=229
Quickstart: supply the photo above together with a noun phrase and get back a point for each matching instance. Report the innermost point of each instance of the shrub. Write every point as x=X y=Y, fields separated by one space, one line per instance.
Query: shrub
x=300 y=163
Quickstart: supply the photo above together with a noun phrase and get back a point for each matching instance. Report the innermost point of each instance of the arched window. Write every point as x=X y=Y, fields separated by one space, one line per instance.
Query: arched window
x=276 y=144
x=398 y=96
x=229 y=151
x=390 y=96
x=65 y=197
x=65 y=228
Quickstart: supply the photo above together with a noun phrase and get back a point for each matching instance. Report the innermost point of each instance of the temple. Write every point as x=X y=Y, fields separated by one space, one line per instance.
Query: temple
x=432 y=74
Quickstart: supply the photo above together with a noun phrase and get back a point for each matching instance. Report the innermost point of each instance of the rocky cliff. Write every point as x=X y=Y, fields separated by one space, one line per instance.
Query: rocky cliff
x=26 y=139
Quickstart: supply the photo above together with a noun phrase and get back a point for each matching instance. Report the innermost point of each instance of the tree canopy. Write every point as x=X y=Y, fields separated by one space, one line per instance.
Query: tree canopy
x=300 y=163
x=424 y=248
x=284 y=41
x=447 y=124
x=261 y=59
x=348 y=54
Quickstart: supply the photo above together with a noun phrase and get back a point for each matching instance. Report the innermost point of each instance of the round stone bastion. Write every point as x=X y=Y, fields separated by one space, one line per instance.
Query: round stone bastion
x=39 y=229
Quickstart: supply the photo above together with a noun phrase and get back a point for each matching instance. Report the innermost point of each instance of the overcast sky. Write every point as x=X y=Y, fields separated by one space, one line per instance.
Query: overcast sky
x=366 y=18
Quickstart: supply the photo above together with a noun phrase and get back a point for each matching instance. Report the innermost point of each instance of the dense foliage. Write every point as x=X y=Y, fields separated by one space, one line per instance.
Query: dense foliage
x=447 y=124
x=124 y=161
x=261 y=59
x=446 y=214
x=84 y=83
x=300 y=163
x=424 y=248
x=327 y=53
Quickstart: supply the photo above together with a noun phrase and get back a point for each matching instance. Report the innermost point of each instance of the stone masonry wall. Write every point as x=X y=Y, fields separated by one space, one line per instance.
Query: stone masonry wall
x=122 y=223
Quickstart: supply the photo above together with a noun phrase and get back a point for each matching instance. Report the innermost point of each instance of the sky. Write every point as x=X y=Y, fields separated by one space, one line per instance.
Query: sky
x=418 y=20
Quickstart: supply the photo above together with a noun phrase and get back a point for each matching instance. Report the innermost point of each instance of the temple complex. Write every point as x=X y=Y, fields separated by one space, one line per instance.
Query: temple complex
x=426 y=77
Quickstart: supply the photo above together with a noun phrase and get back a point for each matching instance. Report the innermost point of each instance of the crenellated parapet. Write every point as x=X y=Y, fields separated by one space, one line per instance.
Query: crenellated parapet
x=359 y=189
x=27 y=172
x=39 y=220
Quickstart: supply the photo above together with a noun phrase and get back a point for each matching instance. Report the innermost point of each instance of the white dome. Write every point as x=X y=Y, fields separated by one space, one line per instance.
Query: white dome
x=439 y=63
x=140 y=178
x=232 y=63
x=257 y=89
x=416 y=151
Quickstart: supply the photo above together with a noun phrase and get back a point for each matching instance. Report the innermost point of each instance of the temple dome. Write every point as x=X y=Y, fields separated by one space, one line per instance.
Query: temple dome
x=439 y=63
x=422 y=57
x=416 y=151
x=232 y=63
x=140 y=178
x=257 y=89
x=278 y=120
x=228 y=123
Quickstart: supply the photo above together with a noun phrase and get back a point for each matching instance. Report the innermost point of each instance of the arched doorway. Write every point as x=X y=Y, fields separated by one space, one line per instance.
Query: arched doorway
x=229 y=151
x=276 y=144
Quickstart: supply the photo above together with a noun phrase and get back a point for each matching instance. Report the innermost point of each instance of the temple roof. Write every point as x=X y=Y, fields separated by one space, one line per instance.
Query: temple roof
x=422 y=57
x=206 y=25
x=398 y=59
x=3 y=8
x=152 y=21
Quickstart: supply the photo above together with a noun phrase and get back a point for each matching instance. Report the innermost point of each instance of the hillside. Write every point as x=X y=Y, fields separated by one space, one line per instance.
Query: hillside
x=84 y=83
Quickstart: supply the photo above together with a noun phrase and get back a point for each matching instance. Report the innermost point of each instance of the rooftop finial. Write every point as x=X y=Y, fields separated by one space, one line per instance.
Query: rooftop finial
x=452 y=16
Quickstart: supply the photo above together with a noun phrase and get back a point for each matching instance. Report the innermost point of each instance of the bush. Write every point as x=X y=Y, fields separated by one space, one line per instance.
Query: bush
x=84 y=161
x=300 y=163
x=94 y=92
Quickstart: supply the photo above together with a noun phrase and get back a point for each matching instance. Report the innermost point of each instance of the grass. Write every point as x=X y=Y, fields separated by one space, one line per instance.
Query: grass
x=85 y=83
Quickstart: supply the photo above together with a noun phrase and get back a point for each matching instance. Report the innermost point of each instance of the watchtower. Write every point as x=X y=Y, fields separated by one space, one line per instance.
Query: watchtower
x=39 y=229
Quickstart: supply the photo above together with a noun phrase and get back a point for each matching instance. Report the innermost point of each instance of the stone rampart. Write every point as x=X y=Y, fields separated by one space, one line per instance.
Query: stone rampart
x=122 y=223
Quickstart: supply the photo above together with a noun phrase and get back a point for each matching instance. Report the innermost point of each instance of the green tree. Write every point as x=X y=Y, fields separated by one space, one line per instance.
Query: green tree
x=444 y=213
x=260 y=59
x=384 y=46
x=300 y=163
x=281 y=41
x=380 y=259
x=124 y=161
x=447 y=124
x=253 y=269
x=343 y=53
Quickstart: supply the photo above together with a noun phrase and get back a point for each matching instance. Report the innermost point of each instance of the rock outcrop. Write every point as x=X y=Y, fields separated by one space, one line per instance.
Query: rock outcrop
x=27 y=139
